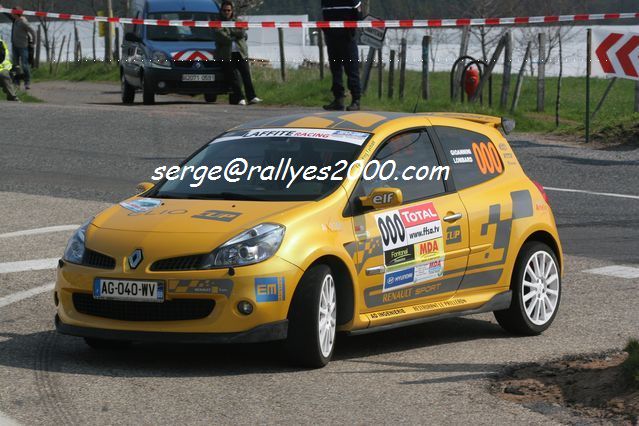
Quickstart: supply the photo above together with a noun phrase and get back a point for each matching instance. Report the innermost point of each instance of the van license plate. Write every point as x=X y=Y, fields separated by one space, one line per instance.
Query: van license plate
x=198 y=77
x=138 y=291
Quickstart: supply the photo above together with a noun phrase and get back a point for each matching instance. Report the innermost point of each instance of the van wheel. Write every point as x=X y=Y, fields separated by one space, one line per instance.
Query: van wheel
x=313 y=319
x=536 y=288
x=148 y=95
x=104 y=344
x=210 y=98
x=128 y=91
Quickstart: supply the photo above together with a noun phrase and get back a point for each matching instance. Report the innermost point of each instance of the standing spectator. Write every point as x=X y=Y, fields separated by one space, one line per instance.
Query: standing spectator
x=232 y=49
x=21 y=36
x=341 y=44
x=5 y=77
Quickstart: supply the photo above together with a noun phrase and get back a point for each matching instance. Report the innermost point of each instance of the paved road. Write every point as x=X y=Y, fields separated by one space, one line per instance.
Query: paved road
x=65 y=160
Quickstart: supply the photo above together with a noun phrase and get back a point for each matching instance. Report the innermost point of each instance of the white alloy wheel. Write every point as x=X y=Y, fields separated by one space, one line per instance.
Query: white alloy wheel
x=540 y=288
x=327 y=318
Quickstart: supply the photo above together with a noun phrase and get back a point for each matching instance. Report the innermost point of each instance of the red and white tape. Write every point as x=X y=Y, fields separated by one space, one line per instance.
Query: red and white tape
x=402 y=23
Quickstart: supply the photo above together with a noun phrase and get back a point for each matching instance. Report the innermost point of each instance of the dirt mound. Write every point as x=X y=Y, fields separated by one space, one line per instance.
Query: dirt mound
x=575 y=390
x=626 y=134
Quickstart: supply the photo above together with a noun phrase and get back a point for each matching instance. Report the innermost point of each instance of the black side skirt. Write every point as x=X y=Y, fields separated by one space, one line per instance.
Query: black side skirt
x=497 y=303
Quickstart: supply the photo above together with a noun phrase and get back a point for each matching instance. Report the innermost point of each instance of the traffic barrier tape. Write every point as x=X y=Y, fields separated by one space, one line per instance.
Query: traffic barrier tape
x=400 y=23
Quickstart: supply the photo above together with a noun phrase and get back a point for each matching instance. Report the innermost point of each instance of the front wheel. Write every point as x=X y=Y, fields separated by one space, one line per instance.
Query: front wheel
x=313 y=319
x=536 y=288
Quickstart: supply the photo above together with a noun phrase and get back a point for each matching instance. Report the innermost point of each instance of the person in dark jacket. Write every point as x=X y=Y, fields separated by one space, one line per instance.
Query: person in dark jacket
x=232 y=50
x=341 y=44
x=22 y=36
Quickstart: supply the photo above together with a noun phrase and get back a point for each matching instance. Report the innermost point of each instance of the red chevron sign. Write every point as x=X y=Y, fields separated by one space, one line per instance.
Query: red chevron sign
x=616 y=54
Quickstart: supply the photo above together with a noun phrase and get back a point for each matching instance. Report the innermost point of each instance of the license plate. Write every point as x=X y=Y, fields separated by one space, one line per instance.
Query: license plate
x=198 y=77
x=138 y=291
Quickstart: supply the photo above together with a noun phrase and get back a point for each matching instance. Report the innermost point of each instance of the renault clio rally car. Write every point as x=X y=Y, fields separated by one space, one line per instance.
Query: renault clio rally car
x=258 y=259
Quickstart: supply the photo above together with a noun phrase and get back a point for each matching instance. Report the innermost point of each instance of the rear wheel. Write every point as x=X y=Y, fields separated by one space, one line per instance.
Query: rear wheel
x=104 y=344
x=128 y=91
x=536 y=288
x=313 y=319
x=210 y=98
x=148 y=95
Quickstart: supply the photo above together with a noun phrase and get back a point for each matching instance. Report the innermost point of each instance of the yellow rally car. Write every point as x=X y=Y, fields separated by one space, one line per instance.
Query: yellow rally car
x=210 y=255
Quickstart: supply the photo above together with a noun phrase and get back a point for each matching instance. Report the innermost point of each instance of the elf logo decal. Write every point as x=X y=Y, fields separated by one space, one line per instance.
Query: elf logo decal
x=192 y=55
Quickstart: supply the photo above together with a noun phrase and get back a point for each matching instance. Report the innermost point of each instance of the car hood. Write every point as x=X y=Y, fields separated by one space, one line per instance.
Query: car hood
x=193 y=216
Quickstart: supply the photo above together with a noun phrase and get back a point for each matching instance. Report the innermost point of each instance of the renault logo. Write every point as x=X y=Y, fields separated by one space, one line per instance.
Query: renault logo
x=135 y=258
x=197 y=65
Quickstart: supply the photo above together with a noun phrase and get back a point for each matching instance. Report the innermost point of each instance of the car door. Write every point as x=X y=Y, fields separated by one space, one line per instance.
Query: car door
x=494 y=204
x=415 y=252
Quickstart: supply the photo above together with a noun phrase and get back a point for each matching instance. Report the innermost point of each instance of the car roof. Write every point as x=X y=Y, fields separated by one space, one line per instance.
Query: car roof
x=362 y=121
x=179 y=5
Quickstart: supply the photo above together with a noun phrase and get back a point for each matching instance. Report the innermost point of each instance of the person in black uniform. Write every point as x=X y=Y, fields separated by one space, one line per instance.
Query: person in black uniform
x=341 y=44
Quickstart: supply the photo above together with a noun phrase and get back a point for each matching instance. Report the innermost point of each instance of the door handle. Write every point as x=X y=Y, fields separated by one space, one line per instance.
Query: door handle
x=453 y=217
x=376 y=270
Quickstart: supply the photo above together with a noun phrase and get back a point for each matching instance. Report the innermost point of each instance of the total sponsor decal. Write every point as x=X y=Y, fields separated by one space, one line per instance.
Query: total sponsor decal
x=270 y=289
x=429 y=250
x=356 y=138
x=410 y=225
x=399 y=279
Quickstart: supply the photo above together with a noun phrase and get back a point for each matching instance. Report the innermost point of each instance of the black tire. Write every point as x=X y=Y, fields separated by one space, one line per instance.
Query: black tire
x=303 y=341
x=128 y=91
x=148 y=95
x=514 y=319
x=108 y=345
x=210 y=98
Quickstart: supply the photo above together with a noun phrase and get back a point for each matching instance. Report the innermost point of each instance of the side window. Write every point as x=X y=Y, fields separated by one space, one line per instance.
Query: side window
x=410 y=152
x=472 y=157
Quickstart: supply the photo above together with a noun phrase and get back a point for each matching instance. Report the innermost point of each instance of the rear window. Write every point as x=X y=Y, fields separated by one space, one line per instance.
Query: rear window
x=472 y=156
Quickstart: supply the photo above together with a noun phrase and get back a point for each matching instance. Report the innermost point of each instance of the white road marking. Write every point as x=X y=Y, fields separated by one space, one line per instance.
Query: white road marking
x=616 y=271
x=21 y=295
x=603 y=194
x=7 y=421
x=29 y=265
x=36 y=231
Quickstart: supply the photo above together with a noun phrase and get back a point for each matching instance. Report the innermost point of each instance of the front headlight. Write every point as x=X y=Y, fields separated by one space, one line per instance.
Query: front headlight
x=160 y=58
x=255 y=245
x=75 y=247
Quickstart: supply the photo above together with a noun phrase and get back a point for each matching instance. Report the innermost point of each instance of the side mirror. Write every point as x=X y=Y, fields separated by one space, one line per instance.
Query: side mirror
x=132 y=38
x=383 y=198
x=143 y=187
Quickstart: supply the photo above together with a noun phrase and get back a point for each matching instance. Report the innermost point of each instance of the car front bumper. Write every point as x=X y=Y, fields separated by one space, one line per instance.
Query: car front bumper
x=169 y=80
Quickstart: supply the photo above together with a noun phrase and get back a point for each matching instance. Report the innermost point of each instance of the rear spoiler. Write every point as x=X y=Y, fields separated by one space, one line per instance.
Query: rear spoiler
x=506 y=124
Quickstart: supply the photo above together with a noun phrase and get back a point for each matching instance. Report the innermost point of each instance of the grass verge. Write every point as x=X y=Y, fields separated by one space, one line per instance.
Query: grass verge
x=303 y=87
x=631 y=364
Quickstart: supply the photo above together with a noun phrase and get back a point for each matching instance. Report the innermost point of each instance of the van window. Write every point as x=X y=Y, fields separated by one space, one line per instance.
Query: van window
x=157 y=33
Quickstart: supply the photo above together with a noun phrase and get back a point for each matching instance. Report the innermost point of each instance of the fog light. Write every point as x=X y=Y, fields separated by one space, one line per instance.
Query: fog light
x=245 y=307
x=161 y=85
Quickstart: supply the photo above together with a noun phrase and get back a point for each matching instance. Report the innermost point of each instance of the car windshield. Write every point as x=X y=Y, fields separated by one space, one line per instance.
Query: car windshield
x=160 y=33
x=265 y=165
